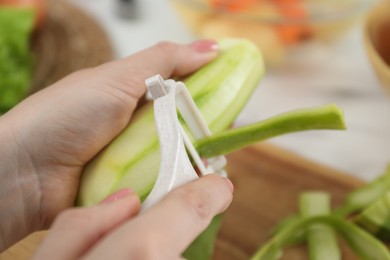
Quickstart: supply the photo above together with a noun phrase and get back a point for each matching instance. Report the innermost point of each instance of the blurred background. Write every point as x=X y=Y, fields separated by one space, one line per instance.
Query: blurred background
x=316 y=52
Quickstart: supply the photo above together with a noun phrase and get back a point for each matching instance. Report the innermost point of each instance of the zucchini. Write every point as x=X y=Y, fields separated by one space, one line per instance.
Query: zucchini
x=220 y=90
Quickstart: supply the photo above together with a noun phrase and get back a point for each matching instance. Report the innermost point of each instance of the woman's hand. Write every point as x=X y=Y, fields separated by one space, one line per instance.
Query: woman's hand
x=49 y=137
x=113 y=231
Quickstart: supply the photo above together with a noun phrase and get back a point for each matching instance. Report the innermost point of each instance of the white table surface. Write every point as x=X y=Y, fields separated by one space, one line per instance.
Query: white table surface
x=339 y=73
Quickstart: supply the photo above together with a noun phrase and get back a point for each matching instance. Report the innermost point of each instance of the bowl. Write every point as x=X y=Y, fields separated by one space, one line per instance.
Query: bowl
x=276 y=26
x=377 y=41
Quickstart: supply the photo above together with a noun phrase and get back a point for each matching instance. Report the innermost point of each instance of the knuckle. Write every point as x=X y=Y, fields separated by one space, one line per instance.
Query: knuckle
x=74 y=218
x=195 y=202
x=147 y=246
x=167 y=51
x=166 y=46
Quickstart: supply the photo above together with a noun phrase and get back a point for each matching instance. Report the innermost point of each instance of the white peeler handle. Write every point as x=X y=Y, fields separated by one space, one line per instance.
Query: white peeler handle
x=175 y=166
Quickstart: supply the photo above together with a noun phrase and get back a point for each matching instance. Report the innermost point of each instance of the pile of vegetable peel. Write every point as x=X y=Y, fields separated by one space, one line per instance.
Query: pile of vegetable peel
x=362 y=222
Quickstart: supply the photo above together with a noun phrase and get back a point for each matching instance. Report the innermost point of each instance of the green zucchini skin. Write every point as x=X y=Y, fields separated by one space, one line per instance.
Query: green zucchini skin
x=220 y=90
x=202 y=248
x=324 y=117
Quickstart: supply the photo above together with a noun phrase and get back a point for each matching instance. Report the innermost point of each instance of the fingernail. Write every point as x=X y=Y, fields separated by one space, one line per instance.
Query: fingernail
x=230 y=184
x=204 y=46
x=120 y=194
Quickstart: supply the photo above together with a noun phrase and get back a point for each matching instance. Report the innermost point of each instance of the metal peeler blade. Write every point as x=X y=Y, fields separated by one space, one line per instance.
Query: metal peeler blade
x=175 y=166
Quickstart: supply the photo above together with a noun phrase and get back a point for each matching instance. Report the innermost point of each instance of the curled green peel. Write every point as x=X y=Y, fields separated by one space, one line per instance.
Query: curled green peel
x=365 y=245
x=366 y=195
x=321 y=239
x=324 y=117
x=371 y=202
x=376 y=218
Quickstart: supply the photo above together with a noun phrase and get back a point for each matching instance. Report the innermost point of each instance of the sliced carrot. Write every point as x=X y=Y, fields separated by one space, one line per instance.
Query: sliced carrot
x=289 y=9
x=291 y=34
x=294 y=10
x=233 y=5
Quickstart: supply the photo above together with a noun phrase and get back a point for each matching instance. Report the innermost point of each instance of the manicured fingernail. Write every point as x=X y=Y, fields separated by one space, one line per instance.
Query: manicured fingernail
x=120 y=194
x=230 y=184
x=204 y=46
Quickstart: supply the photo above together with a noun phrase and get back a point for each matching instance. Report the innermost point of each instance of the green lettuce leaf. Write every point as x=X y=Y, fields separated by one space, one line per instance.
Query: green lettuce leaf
x=15 y=58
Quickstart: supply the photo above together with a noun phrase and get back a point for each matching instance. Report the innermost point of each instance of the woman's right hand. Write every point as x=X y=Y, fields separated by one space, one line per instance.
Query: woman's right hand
x=113 y=230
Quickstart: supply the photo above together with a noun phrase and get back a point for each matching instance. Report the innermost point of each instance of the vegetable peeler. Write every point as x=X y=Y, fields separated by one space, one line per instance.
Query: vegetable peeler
x=175 y=165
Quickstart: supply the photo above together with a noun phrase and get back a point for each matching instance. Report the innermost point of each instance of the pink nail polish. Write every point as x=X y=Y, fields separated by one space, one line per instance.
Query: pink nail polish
x=204 y=46
x=230 y=184
x=120 y=194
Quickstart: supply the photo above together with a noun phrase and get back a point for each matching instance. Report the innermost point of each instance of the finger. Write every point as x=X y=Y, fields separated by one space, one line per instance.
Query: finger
x=76 y=230
x=167 y=229
x=165 y=58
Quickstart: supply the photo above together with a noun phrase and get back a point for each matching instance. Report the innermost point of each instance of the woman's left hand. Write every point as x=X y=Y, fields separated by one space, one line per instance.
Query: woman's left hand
x=49 y=137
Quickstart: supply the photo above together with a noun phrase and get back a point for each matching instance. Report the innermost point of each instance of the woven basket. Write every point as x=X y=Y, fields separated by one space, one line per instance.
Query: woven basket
x=69 y=40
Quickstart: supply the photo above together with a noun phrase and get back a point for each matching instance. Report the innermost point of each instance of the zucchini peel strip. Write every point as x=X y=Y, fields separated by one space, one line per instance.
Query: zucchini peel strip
x=361 y=242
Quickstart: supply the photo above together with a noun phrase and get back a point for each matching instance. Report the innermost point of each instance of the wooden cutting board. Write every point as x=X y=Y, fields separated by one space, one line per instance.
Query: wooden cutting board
x=267 y=182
